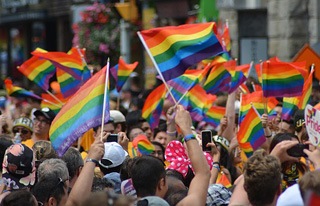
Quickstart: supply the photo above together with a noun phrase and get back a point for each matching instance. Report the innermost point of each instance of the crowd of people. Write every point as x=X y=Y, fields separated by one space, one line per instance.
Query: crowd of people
x=130 y=163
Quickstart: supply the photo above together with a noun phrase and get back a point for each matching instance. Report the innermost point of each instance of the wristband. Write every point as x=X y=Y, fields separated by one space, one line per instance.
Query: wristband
x=172 y=133
x=216 y=163
x=93 y=160
x=216 y=166
x=189 y=137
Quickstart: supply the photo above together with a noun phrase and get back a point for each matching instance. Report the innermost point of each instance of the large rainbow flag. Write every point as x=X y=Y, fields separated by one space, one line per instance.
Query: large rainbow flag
x=251 y=133
x=38 y=70
x=152 y=107
x=82 y=112
x=280 y=79
x=16 y=91
x=176 y=48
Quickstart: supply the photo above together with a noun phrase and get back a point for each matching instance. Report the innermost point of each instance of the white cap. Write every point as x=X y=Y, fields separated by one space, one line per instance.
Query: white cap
x=114 y=155
x=117 y=116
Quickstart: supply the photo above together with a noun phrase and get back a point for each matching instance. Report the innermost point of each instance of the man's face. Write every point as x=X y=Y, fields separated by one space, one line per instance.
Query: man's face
x=162 y=138
x=24 y=132
x=147 y=130
x=109 y=128
x=41 y=126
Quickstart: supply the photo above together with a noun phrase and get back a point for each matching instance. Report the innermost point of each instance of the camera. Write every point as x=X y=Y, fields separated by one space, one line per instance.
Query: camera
x=297 y=150
x=112 y=138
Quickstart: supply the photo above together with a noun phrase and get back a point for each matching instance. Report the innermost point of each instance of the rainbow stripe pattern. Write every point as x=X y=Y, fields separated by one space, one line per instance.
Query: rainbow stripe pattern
x=237 y=77
x=289 y=107
x=15 y=91
x=38 y=70
x=280 y=79
x=142 y=145
x=152 y=107
x=82 y=112
x=306 y=92
x=123 y=72
x=214 y=115
x=175 y=48
x=251 y=133
x=52 y=103
x=217 y=80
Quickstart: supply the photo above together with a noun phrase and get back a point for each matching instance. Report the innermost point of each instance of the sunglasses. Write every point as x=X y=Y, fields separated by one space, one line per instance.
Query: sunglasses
x=23 y=131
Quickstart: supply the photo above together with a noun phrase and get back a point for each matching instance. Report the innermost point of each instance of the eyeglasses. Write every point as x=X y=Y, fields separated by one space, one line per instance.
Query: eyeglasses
x=23 y=131
x=41 y=121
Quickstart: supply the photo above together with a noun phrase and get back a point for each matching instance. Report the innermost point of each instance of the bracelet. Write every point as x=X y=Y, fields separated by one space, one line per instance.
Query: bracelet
x=172 y=133
x=216 y=166
x=93 y=160
x=189 y=137
x=216 y=163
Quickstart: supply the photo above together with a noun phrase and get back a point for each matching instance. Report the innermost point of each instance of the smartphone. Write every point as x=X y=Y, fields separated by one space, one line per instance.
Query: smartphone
x=297 y=150
x=112 y=138
x=206 y=136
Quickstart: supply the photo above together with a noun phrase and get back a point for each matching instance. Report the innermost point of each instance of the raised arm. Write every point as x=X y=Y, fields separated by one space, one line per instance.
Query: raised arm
x=228 y=133
x=199 y=185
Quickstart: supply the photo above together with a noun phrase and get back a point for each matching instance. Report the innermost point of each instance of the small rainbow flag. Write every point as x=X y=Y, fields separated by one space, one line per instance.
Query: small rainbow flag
x=152 y=107
x=175 y=48
x=257 y=100
x=217 y=80
x=52 y=103
x=223 y=180
x=306 y=92
x=214 y=115
x=289 y=107
x=82 y=112
x=142 y=145
x=123 y=72
x=251 y=133
x=15 y=91
x=38 y=70
x=237 y=77
x=280 y=79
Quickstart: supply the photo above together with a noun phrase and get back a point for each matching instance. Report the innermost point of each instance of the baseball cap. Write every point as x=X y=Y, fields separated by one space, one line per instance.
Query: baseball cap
x=114 y=155
x=18 y=168
x=299 y=118
x=23 y=122
x=222 y=141
x=117 y=116
x=46 y=112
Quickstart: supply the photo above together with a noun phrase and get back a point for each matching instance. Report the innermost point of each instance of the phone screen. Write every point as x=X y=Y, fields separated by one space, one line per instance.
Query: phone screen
x=112 y=138
x=206 y=137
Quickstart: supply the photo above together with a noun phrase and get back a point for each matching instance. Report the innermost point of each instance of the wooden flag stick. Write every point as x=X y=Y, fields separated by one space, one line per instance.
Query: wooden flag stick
x=104 y=98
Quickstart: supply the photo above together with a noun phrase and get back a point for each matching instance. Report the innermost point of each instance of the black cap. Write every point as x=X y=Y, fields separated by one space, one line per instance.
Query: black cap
x=46 y=112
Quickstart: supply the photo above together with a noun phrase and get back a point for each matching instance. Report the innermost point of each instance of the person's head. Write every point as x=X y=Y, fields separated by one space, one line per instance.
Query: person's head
x=101 y=184
x=161 y=137
x=158 y=151
x=134 y=132
x=310 y=182
x=119 y=121
x=299 y=123
x=145 y=126
x=108 y=127
x=149 y=177
x=53 y=167
x=24 y=126
x=176 y=188
x=43 y=150
x=105 y=198
x=282 y=137
x=18 y=168
x=42 y=122
x=286 y=127
x=114 y=156
x=19 y=197
x=262 y=178
x=74 y=162
x=125 y=171
x=51 y=191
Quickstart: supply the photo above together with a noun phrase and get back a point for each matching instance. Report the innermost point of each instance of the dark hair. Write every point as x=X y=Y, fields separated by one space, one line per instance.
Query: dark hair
x=226 y=161
x=73 y=160
x=159 y=145
x=99 y=184
x=19 y=197
x=281 y=137
x=176 y=197
x=146 y=173
x=125 y=171
x=49 y=187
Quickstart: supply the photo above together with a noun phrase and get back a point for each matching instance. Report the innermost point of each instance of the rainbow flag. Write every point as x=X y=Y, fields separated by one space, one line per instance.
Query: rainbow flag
x=237 y=77
x=244 y=68
x=289 y=107
x=38 y=70
x=175 y=48
x=217 y=80
x=152 y=107
x=223 y=180
x=188 y=80
x=15 y=91
x=82 y=112
x=214 y=115
x=225 y=39
x=221 y=58
x=142 y=145
x=251 y=133
x=280 y=79
x=306 y=92
x=52 y=103
x=123 y=72
x=72 y=63
x=258 y=101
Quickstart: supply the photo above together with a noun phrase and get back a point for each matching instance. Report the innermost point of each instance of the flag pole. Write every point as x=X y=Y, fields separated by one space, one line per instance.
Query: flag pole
x=54 y=97
x=155 y=65
x=104 y=97
x=181 y=98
